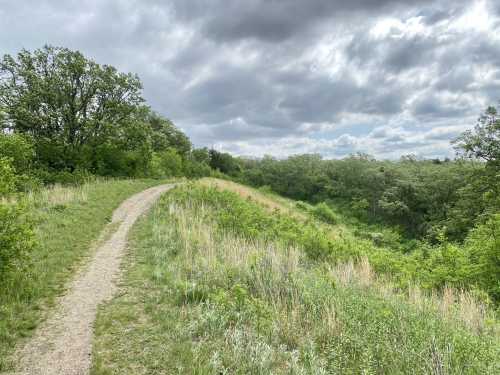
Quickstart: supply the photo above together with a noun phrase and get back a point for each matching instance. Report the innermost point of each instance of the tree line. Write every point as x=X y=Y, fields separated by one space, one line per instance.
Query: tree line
x=423 y=197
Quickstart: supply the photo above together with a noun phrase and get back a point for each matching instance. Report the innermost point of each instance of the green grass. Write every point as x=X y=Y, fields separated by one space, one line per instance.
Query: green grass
x=68 y=221
x=204 y=294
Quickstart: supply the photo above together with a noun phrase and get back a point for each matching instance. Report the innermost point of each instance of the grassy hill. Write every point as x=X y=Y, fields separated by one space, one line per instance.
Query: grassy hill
x=222 y=278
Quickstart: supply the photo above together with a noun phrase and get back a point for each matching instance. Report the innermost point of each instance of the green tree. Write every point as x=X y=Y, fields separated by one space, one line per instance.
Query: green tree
x=224 y=163
x=481 y=196
x=7 y=177
x=64 y=101
x=19 y=149
x=166 y=135
x=484 y=141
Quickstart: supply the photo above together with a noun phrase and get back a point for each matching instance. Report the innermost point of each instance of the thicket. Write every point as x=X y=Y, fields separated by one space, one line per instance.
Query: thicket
x=424 y=199
x=447 y=211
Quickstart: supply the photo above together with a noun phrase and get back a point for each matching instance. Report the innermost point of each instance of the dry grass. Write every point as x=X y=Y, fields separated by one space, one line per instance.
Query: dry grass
x=278 y=263
x=59 y=195
x=451 y=303
x=270 y=204
x=196 y=235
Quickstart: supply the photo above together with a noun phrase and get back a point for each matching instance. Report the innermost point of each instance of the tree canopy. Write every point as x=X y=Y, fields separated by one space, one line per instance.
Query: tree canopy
x=80 y=115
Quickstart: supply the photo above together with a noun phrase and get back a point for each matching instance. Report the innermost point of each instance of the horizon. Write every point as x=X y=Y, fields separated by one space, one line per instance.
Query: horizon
x=385 y=77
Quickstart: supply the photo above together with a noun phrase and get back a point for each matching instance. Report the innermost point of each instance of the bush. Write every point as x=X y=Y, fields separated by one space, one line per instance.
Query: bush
x=19 y=149
x=266 y=189
x=166 y=163
x=482 y=247
x=65 y=177
x=16 y=236
x=302 y=205
x=196 y=169
x=7 y=176
x=323 y=212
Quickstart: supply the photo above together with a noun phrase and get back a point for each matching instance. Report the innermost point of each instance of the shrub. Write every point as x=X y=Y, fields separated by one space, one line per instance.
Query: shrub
x=19 y=149
x=302 y=205
x=196 y=169
x=7 y=176
x=16 y=236
x=482 y=247
x=266 y=189
x=65 y=177
x=323 y=212
x=166 y=163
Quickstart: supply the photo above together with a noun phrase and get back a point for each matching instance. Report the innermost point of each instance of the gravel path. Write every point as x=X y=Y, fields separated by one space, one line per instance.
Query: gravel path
x=63 y=343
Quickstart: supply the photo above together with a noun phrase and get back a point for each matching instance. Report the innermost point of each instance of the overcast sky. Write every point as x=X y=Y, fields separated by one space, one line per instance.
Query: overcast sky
x=280 y=77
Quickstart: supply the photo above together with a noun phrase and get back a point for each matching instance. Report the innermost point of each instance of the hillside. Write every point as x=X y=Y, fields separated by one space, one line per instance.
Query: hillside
x=222 y=280
x=299 y=264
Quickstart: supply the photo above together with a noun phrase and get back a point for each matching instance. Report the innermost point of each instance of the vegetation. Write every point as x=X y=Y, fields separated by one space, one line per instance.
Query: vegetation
x=217 y=284
x=422 y=198
x=79 y=116
x=441 y=214
x=330 y=266
x=44 y=237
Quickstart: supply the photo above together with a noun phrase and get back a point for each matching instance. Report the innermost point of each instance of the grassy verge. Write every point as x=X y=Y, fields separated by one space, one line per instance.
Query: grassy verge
x=68 y=221
x=205 y=294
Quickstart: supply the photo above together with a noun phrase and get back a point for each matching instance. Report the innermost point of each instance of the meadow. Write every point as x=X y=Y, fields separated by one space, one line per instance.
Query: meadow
x=217 y=282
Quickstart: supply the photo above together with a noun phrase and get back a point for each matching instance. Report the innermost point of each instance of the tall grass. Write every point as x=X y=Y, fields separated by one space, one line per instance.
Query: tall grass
x=202 y=298
x=68 y=220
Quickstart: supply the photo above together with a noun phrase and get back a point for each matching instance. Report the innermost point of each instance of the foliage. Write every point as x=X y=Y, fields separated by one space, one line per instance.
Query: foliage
x=19 y=149
x=16 y=238
x=166 y=163
x=483 y=248
x=323 y=212
x=432 y=266
x=224 y=163
x=418 y=196
x=482 y=194
x=65 y=101
x=167 y=136
x=8 y=177
x=67 y=114
x=484 y=141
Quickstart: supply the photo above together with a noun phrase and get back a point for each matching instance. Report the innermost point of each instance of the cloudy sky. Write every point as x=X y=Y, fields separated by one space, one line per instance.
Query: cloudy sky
x=280 y=77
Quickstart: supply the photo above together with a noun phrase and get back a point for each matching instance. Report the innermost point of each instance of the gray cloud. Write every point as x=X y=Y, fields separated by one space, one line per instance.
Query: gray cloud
x=273 y=21
x=289 y=76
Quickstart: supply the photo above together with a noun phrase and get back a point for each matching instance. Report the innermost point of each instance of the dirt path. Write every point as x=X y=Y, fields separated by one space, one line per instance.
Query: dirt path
x=63 y=344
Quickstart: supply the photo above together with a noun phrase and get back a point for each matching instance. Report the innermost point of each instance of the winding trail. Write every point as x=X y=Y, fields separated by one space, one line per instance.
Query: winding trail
x=63 y=343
